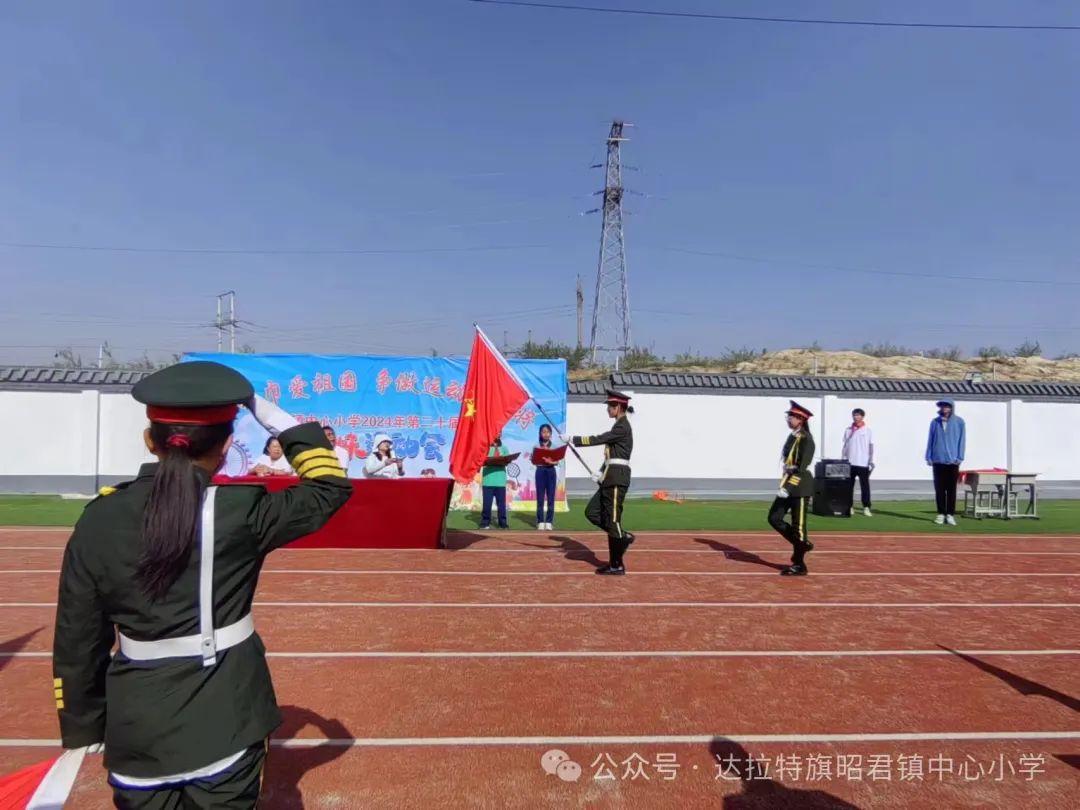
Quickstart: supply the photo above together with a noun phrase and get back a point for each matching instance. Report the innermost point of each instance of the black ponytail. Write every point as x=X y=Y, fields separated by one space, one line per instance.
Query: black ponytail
x=173 y=511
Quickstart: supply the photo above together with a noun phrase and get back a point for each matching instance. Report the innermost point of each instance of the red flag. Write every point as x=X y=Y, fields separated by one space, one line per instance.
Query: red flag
x=493 y=394
x=44 y=786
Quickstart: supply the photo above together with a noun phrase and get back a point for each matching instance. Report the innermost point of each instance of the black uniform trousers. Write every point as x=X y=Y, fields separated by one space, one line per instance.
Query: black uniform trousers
x=237 y=788
x=795 y=531
x=862 y=474
x=604 y=511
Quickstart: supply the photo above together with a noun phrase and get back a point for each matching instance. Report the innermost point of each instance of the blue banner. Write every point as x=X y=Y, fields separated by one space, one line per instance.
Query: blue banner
x=413 y=400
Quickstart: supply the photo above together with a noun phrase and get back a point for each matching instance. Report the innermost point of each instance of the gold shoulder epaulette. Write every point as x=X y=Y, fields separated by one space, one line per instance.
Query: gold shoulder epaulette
x=106 y=491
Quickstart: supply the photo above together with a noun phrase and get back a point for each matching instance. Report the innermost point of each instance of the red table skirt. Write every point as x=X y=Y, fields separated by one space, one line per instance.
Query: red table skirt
x=382 y=513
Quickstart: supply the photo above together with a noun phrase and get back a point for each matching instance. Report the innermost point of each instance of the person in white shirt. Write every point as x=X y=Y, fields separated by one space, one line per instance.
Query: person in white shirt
x=272 y=461
x=859 y=453
x=381 y=463
x=341 y=453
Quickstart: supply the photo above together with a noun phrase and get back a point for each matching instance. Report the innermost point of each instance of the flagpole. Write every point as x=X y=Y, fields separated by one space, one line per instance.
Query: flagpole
x=570 y=446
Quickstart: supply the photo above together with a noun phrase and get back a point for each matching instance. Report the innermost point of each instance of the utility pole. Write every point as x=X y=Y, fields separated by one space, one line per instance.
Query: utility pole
x=580 y=314
x=611 y=309
x=230 y=322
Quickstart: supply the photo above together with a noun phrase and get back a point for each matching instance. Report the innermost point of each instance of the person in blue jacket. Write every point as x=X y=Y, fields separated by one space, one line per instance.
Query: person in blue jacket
x=945 y=453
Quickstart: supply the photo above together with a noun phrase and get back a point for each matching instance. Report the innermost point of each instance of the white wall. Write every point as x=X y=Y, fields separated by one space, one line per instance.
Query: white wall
x=1046 y=440
x=684 y=436
x=48 y=433
x=700 y=436
x=122 y=420
x=697 y=435
x=900 y=429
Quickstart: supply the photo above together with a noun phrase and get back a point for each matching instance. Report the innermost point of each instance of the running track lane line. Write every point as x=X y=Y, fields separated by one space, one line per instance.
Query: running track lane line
x=733 y=551
x=699 y=739
x=870 y=534
x=514 y=605
x=415 y=573
x=641 y=654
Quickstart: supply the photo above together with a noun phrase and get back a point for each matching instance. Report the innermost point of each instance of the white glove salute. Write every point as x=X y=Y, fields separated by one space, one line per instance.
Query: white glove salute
x=270 y=416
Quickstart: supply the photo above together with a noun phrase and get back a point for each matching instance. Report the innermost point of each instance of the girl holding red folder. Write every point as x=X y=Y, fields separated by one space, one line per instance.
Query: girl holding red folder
x=546 y=479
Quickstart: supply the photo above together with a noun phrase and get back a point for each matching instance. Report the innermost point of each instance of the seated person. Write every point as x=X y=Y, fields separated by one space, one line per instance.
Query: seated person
x=272 y=461
x=381 y=463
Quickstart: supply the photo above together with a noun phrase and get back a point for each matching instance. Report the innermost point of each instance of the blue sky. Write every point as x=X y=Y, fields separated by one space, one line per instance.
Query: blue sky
x=457 y=138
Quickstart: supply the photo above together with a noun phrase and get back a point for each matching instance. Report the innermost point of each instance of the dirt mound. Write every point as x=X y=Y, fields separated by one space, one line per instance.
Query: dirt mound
x=806 y=363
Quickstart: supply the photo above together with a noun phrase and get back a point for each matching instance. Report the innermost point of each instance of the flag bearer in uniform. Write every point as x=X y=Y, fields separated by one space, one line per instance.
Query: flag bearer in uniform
x=605 y=509
x=186 y=706
x=796 y=487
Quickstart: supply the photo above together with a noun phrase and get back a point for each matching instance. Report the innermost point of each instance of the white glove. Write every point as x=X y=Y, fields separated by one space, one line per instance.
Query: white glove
x=564 y=438
x=96 y=748
x=596 y=477
x=782 y=493
x=270 y=416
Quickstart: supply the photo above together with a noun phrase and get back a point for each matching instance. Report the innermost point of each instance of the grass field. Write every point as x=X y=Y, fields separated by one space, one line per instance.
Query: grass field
x=1056 y=517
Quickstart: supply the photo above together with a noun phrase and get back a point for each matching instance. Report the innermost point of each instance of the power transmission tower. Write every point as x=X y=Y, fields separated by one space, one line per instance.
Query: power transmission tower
x=229 y=322
x=611 y=308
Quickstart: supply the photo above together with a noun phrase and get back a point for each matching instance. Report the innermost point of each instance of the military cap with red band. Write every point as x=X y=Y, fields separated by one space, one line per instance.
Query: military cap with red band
x=196 y=393
x=798 y=410
x=617 y=397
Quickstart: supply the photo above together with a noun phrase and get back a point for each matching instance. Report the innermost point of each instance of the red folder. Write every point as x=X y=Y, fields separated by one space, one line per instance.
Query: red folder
x=548 y=455
x=500 y=461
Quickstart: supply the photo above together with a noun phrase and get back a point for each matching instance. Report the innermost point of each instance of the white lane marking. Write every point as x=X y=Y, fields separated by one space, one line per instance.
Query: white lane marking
x=661 y=739
x=517 y=605
x=635 y=654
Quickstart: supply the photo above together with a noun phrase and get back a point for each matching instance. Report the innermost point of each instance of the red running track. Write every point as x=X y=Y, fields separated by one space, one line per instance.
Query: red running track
x=408 y=703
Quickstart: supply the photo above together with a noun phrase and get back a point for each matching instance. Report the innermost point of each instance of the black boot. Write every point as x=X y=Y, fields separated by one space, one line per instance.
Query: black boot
x=614 y=566
x=798 y=565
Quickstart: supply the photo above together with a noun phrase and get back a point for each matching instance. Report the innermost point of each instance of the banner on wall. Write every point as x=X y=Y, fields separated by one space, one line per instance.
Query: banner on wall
x=414 y=400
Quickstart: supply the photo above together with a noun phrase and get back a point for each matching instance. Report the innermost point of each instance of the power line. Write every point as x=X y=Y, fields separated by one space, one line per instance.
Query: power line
x=914 y=325
x=871 y=271
x=269 y=251
x=790 y=20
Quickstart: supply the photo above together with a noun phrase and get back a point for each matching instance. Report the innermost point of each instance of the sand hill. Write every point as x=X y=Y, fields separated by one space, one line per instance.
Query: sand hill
x=803 y=362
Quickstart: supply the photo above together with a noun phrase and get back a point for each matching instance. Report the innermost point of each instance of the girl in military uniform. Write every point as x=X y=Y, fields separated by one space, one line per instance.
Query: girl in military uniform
x=796 y=487
x=605 y=509
x=186 y=707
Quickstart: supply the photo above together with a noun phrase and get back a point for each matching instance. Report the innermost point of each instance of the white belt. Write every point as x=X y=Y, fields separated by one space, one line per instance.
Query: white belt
x=186 y=646
x=208 y=640
x=618 y=462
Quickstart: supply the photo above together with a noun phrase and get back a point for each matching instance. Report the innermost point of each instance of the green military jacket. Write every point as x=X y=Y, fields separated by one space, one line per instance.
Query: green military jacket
x=797 y=454
x=618 y=444
x=171 y=716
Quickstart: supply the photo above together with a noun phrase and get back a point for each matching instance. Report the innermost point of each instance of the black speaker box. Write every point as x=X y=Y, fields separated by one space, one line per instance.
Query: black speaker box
x=832 y=489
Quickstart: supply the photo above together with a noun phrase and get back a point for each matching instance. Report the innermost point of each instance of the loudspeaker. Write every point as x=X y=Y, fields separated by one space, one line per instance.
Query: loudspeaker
x=832 y=489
